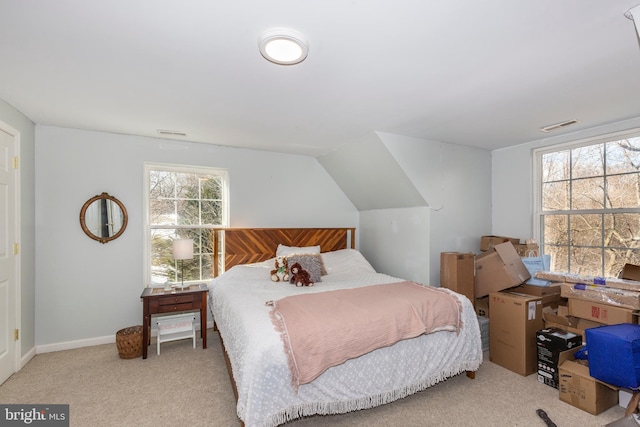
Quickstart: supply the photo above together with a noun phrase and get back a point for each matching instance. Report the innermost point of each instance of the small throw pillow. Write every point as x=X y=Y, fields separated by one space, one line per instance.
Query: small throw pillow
x=283 y=250
x=311 y=263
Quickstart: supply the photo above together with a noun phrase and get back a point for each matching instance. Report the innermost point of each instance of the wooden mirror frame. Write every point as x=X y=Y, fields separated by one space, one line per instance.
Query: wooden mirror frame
x=83 y=212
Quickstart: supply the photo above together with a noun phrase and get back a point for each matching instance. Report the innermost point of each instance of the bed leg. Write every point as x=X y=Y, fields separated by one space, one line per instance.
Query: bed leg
x=471 y=374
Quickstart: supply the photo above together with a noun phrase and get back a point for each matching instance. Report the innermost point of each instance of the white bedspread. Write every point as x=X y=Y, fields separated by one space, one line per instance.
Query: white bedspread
x=266 y=397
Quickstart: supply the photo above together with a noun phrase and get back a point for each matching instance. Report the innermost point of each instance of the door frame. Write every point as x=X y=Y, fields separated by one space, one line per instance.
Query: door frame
x=15 y=134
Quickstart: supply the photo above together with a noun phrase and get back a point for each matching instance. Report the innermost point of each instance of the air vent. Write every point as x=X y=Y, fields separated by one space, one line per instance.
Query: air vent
x=557 y=126
x=171 y=132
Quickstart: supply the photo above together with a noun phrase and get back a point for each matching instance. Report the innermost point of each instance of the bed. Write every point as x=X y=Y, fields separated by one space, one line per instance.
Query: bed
x=255 y=355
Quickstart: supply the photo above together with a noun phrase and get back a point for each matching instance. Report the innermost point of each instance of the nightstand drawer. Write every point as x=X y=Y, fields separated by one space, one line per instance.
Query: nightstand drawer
x=175 y=299
x=175 y=307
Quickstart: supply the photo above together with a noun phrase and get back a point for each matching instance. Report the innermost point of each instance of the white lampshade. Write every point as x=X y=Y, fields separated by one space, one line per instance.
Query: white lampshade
x=183 y=249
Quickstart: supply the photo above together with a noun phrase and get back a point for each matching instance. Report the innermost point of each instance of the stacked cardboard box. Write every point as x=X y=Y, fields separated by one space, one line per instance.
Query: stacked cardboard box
x=499 y=269
x=514 y=319
x=580 y=389
x=606 y=301
x=550 y=343
x=476 y=276
x=457 y=272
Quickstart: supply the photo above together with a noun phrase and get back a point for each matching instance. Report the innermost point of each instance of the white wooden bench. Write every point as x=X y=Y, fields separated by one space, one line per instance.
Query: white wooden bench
x=176 y=327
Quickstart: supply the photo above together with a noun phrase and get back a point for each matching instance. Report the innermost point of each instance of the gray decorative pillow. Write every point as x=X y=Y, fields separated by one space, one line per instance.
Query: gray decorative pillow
x=311 y=263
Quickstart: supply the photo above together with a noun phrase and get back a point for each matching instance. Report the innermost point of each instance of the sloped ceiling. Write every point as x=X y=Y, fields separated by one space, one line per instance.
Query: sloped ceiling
x=370 y=177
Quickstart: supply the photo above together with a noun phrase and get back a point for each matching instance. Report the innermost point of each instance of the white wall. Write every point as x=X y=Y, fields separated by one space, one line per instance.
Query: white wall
x=86 y=291
x=395 y=241
x=455 y=181
x=26 y=129
x=512 y=175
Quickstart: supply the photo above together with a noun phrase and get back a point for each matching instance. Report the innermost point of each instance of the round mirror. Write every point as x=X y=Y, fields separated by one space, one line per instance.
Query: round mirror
x=103 y=218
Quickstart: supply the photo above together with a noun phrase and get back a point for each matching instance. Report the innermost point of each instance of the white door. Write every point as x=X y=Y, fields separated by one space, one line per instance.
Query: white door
x=8 y=260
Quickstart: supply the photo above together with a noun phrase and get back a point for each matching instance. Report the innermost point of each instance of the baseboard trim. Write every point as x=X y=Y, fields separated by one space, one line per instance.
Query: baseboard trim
x=70 y=345
x=27 y=357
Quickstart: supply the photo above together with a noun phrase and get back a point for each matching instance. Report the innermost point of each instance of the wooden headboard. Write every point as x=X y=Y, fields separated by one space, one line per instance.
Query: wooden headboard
x=248 y=245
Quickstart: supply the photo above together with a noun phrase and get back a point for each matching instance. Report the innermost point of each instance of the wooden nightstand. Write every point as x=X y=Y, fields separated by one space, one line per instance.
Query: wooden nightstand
x=159 y=301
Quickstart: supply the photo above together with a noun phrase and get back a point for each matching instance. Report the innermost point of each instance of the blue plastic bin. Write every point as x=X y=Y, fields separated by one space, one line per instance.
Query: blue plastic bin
x=614 y=354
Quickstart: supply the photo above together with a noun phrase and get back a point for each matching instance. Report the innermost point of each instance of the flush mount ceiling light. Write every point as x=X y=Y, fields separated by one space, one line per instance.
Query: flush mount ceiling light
x=283 y=46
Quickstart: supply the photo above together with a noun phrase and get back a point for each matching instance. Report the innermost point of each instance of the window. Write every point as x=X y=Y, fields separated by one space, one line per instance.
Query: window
x=183 y=203
x=588 y=205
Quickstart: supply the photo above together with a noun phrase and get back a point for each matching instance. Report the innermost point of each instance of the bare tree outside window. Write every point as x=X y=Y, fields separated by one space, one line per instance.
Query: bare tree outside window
x=590 y=207
x=184 y=203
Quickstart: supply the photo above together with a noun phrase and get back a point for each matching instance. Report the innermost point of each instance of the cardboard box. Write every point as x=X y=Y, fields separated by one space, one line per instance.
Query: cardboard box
x=457 y=272
x=482 y=306
x=603 y=313
x=559 y=317
x=550 y=343
x=630 y=272
x=499 y=269
x=614 y=354
x=609 y=282
x=581 y=390
x=550 y=294
x=514 y=320
x=527 y=249
x=602 y=294
x=487 y=243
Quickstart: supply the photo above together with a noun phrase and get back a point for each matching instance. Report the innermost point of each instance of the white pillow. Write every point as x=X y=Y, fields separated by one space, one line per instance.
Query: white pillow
x=291 y=250
x=346 y=261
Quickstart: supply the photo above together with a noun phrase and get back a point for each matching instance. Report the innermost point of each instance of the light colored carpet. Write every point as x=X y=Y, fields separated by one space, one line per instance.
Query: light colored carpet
x=184 y=386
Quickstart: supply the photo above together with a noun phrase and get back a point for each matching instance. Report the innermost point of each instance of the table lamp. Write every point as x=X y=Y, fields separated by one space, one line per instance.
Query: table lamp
x=182 y=249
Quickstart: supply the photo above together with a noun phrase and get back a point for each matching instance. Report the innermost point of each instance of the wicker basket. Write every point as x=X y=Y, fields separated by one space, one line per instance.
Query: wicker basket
x=129 y=342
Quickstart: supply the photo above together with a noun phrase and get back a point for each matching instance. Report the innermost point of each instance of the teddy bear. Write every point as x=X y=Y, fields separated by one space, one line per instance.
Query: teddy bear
x=299 y=276
x=281 y=272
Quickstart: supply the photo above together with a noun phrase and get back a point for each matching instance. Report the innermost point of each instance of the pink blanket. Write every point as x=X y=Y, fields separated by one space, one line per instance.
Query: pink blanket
x=325 y=329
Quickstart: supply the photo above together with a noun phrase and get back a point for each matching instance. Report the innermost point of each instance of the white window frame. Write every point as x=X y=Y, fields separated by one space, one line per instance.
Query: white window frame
x=183 y=169
x=537 y=169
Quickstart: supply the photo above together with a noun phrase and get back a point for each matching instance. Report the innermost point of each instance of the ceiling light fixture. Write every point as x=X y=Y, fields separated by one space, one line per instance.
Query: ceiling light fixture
x=558 y=125
x=283 y=46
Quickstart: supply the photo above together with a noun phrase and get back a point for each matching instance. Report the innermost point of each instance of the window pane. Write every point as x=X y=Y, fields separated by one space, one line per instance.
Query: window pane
x=586 y=230
x=623 y=156
x=186 y=186
x=162 y=212
x=188 y=212
x=587 y=193
x=622 y=230
x=559 y=257
x=585 y=261
x=623 y=191
x=162 y=263
x=555 y=166
x=211 y=187
x=555 y=196
x=212 y=212
x=587 y=161
x=161 y=185
x=615 y=259
x=556 y=230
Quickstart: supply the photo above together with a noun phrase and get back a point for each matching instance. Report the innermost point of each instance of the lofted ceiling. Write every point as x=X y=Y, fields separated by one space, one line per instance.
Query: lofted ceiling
x=484 y=73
